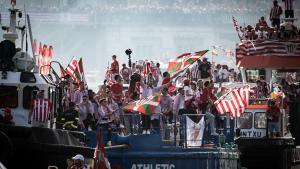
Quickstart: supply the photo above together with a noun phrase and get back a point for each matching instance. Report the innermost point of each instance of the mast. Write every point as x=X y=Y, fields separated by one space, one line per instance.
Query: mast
x=11 y=32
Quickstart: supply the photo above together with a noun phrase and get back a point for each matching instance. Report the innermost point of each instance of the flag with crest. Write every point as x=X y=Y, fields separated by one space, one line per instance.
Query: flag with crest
x=183 y=61
x=146 y=106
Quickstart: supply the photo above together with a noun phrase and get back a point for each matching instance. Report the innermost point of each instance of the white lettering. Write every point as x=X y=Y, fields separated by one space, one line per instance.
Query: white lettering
x=251 y=134
x=164 y=166
x=147 y=166
x=133 y=166
x=150 y=166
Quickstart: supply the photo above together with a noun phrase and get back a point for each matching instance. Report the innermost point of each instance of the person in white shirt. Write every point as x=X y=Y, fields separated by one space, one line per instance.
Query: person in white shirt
x=196 y=73
x=178 y=106
x=166 y=104
x=105 y=114
x=86 y=111
x=79 y=93
x=147 y=90
x=223 y=74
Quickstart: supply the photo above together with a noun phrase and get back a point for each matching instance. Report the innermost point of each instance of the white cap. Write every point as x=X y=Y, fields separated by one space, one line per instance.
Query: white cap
x=78 y=157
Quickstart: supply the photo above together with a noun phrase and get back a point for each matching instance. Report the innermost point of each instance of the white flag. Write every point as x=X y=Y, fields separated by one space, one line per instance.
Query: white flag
x=194 y=132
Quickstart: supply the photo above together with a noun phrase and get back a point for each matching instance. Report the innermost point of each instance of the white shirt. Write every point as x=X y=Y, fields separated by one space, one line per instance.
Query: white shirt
x=223 y=74
x=85 y=109
x=178 y=103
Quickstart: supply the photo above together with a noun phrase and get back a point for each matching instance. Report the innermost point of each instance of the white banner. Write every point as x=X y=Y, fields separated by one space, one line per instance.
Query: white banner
x=194 y=132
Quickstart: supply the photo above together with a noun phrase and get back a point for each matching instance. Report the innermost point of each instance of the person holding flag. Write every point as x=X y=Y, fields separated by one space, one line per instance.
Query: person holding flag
x=100 y=159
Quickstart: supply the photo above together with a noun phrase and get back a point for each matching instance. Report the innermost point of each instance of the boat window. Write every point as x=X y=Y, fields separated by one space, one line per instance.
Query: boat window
x=27 y=77
x=245 y=121
x=253 y=74
x=8 y=96
x=260 y=120
x=29 y=92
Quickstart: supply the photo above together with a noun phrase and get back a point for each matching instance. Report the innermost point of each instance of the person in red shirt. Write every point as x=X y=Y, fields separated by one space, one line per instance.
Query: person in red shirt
x=114 y=68
x=204 y=97
x=125 y=73
x=166 y=78
x=117 y=90
x=273 y=114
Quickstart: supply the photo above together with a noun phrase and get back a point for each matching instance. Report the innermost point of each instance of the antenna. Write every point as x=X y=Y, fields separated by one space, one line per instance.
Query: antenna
x=31 y=37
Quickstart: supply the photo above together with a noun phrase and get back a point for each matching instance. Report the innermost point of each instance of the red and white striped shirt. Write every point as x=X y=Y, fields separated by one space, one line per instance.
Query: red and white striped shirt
x=275 y=13
x=41 y=109
x=289 y=4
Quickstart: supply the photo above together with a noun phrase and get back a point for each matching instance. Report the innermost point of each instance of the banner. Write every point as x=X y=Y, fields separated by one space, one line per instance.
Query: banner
x=194 y=132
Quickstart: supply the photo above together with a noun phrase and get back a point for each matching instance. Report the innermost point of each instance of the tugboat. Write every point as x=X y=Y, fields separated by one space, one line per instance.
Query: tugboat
x=19 y=81
x=268 y=59
x=44 y=147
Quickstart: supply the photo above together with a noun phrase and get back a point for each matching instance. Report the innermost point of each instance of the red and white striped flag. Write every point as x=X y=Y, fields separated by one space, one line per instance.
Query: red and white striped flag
x=232 y=102
x=73 y=70
x=245 y=94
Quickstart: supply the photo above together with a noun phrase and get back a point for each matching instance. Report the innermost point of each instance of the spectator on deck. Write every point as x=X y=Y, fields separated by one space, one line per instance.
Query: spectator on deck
x=114 y=68
x=205 y=68
x=70 y=115
x=223 y=74
x=117 y=90
x=196 y=73
x=179 y=105
x=105 y=114
x=275 y=13
x=147 y=90
x=133 y=68
x=166 y=78
x=156 y=74
x=166 y=104
x=79 y=93
x=204 y=97
x=125 y=73
x=273 y=114
x=78 y=162
x=86 y=113
x=289 y=8
x=262 y=23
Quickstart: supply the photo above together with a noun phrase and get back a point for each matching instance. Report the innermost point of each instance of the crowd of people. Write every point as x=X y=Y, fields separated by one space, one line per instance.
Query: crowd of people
x=195 y=94
x=278 y=29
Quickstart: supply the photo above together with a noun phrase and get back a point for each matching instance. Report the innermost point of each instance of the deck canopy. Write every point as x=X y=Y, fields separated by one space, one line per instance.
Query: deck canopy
x=268 y=54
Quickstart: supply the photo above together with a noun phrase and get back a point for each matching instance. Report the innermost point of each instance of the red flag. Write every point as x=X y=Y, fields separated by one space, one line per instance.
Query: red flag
x=34 y=47
x=101 y=162
x=40 y=58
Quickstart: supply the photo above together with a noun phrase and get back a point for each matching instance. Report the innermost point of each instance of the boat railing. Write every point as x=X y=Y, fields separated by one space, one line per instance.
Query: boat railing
x=186 y=130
